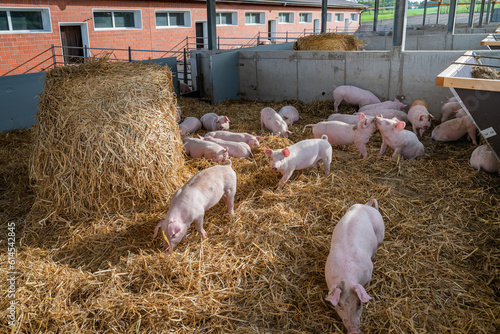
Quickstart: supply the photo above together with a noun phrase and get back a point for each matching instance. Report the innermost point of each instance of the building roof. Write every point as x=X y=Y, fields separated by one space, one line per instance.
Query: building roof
x=307 y=3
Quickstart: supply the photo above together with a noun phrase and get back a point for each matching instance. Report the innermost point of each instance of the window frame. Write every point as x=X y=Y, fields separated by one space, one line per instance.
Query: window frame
x=342 y=15
x=187 y=18
x=354 y=20
x=309 y=17
x=137 y=18
x=290 y=14
x=329 y=17
x=262 y=18
x=234 y=18
x=45 y=15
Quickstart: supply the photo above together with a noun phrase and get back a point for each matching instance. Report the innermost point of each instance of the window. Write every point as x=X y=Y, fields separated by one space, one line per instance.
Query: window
x=255 y=18
x=226 y=19
x=24 y=20
x=119 y=19
x=173 y=19
x=305 y=17
x=339 y=17
x=285 y=17
x=354 y=16
x=329 y=17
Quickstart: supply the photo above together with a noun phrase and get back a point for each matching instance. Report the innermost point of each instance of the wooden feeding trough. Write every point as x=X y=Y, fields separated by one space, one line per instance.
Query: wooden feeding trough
x=479 y=97
x=492 y=41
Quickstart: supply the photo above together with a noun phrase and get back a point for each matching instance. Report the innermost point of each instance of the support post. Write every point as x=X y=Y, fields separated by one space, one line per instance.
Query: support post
x=375 y=15
x=470 y=23
x=481 y=14
x=451 y=16
x=212 y=40
x=185 y=67
x=438 y=12
x=324 y=13
x=129 y=54
x=488 y=11
x=425 y=12
x=399 y=29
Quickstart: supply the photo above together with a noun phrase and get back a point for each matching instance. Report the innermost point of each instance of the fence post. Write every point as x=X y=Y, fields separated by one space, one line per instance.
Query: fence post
x=54 y=55
x=187 y=42
x=129 y=54
x=185 y=67
x=85 y=53
x=218 y=42
x=258 y=38
x=286 y=37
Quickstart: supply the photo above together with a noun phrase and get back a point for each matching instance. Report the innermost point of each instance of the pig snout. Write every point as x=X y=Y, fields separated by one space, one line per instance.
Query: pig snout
x=274 y=168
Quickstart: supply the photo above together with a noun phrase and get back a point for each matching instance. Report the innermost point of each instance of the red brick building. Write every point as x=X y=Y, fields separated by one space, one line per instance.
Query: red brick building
x=28 y=28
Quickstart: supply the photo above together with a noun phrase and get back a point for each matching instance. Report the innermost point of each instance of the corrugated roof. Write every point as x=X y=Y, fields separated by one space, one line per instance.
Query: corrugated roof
x=308 y=3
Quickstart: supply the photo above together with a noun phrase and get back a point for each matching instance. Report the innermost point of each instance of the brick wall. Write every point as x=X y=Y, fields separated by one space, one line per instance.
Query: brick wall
x=20 y=52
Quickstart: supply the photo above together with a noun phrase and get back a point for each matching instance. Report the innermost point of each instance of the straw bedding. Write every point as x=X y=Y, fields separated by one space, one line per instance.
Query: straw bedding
x=106 y=139
x=483 y=72
x=262 y=271
x=328 y=42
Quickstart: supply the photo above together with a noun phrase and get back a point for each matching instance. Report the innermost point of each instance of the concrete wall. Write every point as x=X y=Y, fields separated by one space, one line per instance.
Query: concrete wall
x=438 y=41
x=310 y=75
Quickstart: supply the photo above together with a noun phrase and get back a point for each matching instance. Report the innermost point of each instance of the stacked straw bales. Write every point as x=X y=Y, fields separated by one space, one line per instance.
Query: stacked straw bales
x=328 y=42
x=106 y=139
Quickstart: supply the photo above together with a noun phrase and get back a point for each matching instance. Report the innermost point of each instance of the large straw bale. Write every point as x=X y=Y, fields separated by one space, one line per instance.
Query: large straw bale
x=328 y=42
x=106 y=139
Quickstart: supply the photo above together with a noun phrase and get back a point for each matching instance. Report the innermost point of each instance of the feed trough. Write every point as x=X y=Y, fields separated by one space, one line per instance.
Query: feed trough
x=479 y=97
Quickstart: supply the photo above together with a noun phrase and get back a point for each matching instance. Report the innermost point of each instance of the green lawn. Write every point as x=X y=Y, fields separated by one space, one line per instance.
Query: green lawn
x=389 y=14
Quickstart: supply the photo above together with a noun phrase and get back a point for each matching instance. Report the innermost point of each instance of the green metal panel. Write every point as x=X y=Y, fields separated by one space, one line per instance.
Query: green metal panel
x=18 y=100
x=224 y=76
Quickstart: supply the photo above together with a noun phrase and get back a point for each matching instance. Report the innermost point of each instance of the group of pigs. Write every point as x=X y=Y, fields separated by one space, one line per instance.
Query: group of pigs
x=359 y=232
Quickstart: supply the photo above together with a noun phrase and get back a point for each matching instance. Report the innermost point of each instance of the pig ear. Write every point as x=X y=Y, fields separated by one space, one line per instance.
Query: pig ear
x=431 y=117
x=173 y=228
x=361 y=116
x=399 y=126
x=226 y=119
x=268 y=152
x=260 y=138
x=361 y=292
x=334 y=296
x=396 y=100
x=286 y=152
x=421 y=117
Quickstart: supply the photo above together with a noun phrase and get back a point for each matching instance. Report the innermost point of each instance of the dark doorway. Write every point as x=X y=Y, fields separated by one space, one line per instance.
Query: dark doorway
x=71 y=37
x=199 y=35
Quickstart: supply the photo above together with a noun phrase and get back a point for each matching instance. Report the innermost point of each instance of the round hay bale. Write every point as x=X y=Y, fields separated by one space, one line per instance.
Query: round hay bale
x=328 y=42
x=106 y=140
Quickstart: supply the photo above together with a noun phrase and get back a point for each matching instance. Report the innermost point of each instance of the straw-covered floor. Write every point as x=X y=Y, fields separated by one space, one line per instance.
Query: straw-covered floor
x=262 y=271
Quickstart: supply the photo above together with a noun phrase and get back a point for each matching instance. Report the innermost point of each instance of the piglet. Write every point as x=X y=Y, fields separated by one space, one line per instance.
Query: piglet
x=454 y=129
x=213 y=122
x=401 y=141
x=387 y=113
x=289 y=114
x=349 y=266
x=178 y=112
x=353 y=96
x=189 y=125
x=346 y=118
x=340 y=133
x=449 y=110
x=236 y=137
x=270 y=119
x=419 y=117
x=197 y=148
x=484 y=159
x=190 y=202
x=301 y=155
x=234 y=149
x=396 y=105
